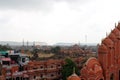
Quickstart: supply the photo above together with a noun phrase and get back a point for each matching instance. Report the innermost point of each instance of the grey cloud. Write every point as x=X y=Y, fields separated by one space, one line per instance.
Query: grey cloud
x=74 y=1
x=26 y=4
x=35 y=4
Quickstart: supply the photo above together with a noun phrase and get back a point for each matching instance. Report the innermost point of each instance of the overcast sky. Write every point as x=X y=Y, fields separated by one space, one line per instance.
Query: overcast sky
x=55 y=21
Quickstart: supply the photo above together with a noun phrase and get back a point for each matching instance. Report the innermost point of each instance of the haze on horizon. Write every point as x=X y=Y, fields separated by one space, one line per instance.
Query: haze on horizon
x=55 y=21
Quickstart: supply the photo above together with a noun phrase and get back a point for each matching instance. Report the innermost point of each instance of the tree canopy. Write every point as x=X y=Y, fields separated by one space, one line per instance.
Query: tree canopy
x=35 y=54
x=67 y=69
x=4 y=48
x=55 y=49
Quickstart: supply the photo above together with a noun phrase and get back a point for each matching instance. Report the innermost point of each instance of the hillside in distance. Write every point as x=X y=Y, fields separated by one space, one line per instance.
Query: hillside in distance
x=71 y=44
x=13 y=43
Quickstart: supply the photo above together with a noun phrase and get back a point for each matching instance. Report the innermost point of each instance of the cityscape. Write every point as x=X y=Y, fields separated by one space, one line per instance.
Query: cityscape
x=71 y=62
x=59 y=40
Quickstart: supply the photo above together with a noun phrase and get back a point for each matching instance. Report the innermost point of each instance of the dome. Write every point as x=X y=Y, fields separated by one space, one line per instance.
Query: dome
x=74 y=77
x=91 y=62
x=93 y=66
x=102 y=49
x=108 y=42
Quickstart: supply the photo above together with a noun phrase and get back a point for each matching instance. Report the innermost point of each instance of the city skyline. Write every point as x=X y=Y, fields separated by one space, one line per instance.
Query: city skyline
x=53 y=21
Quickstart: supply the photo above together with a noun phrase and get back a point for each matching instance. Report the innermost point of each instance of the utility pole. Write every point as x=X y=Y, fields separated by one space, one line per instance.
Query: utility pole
x=23 y=42
x=27 y=43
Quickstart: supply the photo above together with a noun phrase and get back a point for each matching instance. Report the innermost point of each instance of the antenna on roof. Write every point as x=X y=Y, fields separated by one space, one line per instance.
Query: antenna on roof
x=27 y=43
x=33 y=43
x=23 y=42
x=115 y=24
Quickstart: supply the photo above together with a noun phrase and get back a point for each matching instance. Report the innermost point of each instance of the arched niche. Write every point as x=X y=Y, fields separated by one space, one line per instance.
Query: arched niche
x=112 y=76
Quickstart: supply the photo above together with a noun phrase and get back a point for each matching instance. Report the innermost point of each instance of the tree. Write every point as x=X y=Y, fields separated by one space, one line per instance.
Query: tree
x=67 y=69
x=35 y=54
x=4 y=48
x=55 y=49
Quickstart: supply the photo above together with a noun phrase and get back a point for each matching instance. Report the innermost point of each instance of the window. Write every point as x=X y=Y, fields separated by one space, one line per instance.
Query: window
x=26 y=68
x=52 y=75
x=35 y=68
x=8 y=71
x=59 y=66
x=5 y=62
x=51 y=66
x=59 y=73
x=41 y=67
x=112 y=77
x=23 y=60
x=17 y=78
x=34 y=77
x=41 y=75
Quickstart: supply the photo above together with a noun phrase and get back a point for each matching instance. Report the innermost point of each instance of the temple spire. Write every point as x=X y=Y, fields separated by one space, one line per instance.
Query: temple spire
x=73 y=70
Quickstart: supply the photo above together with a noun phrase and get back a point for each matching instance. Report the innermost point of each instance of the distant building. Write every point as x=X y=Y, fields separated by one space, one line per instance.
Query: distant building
x=72 y=50
x=37 y=70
